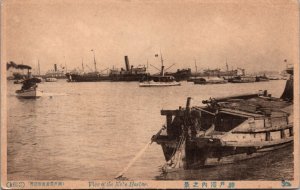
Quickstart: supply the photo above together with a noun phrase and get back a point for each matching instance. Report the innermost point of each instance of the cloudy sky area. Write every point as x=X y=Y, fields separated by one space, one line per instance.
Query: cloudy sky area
x=255 y=35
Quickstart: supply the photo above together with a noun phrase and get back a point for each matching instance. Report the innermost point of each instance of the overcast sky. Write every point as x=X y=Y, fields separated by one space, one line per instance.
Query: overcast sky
x=255 y=35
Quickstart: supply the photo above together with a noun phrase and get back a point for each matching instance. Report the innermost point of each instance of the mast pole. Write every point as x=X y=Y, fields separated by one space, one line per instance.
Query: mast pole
x=39 y=69
x=95 y=60
x=82 y=65
x=162 y=64
x=147 y=63
x=226 y=65
x=161 y=59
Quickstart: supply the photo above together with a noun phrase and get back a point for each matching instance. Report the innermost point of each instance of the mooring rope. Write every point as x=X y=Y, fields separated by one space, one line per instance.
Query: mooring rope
x=139 y=154
x=178 y=146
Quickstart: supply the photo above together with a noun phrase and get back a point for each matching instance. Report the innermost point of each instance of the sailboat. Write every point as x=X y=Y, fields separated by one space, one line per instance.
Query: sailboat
x=160 y=80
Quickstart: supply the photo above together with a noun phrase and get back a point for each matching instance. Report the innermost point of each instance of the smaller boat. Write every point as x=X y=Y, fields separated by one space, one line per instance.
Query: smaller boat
x=242 y=79
x=29 y=89
x=51 y=79
x=261 y=78
x=160 y=80
x=192 y=79
x=210 y=80
x=274 y=77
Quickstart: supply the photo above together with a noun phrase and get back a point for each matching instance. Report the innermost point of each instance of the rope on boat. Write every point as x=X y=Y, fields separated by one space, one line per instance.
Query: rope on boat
x=172 y=163
x=139 y=154
x=178 y=146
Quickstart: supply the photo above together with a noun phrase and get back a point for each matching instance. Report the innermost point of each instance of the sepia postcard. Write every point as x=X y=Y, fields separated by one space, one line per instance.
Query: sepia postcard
x=149 y=94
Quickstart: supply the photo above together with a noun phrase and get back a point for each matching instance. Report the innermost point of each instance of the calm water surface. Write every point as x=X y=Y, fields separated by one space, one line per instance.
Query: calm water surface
x=81 y=131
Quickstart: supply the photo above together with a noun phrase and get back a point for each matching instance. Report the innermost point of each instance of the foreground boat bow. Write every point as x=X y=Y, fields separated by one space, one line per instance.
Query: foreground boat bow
x=227 y=129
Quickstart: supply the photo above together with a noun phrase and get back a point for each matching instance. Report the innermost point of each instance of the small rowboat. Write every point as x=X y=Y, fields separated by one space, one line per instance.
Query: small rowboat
x=51 y=79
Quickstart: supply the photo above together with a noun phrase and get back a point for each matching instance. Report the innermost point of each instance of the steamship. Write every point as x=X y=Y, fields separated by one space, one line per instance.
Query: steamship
x=58 y=74
x=131 y=73
x=227 y=129
x=207 y=73
x=180 y=74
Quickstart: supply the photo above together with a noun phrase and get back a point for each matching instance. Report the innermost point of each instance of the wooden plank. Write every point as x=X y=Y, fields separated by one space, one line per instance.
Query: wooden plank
x=271 y=129
x=240 y=113
x=256 y=144
x=203 y=110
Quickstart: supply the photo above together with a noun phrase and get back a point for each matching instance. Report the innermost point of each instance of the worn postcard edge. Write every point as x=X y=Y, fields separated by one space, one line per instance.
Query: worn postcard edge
x=132 y=184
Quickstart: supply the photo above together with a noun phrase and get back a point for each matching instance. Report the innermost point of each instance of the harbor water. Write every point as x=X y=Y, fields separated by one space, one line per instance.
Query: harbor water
x=91 y=131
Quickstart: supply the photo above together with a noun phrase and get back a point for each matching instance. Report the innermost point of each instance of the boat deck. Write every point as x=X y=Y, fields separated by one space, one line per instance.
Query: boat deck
x=257 y=105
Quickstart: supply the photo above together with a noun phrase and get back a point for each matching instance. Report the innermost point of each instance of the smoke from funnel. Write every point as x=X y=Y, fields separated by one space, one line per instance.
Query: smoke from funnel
x=12 y=64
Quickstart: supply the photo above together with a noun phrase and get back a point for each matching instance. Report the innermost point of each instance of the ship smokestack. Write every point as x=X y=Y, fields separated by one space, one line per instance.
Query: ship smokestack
x=162 y=70
x=55 y=67
x=127 y=63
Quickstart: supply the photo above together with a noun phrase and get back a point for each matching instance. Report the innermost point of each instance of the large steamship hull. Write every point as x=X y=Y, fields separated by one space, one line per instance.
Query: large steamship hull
x=84 y=78
x=130 y=74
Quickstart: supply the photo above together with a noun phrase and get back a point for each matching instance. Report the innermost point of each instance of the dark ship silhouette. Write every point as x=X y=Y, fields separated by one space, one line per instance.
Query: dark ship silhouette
x=131 y=73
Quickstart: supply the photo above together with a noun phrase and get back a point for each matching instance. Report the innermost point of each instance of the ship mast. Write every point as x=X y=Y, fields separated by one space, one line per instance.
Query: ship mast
x=94 y=60
x=39 y=69
x=196 y=66
x=82 y=65
x=147 y=64
x=162 y=64
x=226 y=65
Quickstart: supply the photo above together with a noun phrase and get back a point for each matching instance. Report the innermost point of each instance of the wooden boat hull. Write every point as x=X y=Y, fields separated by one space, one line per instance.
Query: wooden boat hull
x=195 y=157
x=29 y=94
x=227 y=129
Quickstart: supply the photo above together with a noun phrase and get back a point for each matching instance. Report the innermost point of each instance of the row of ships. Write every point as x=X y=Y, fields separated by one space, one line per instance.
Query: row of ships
x=131 y=73
x=141 y=74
